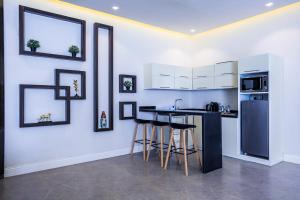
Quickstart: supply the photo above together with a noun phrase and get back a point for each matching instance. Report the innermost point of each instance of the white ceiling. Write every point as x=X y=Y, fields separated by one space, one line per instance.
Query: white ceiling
x=183 y=15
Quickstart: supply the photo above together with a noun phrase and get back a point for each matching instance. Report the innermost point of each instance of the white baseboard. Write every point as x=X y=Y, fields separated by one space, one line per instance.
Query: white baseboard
x=292 y=159
x=35 y=167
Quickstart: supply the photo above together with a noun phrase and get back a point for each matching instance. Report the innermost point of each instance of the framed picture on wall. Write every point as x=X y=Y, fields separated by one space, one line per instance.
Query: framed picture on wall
x=127 y=110
x=127 y=83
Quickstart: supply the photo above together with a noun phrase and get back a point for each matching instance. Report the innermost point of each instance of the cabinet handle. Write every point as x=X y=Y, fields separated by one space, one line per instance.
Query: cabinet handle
x=254 y=70
x=183 y=76
x=201 y=87
x=184 y=88
x=164 y=87
x=224 y=86
x=165 y=75
x=201 y=76
x=228 y=73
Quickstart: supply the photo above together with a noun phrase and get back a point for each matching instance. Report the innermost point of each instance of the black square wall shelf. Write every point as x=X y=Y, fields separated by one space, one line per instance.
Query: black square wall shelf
x=122 y=114
x=127 y=83
x=39 y=13
x=81 y=90
x=23 y=88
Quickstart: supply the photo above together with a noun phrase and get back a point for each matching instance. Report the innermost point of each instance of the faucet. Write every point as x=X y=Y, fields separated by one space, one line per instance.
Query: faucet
x=175 y=104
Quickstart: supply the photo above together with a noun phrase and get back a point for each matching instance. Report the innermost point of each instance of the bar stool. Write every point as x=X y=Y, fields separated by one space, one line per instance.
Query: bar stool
x=184 y=129
x=143 y=141
x=161 y=145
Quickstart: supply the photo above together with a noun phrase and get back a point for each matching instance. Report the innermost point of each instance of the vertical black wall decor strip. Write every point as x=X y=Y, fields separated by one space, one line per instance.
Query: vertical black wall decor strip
x=98 y=26
x=1 y=90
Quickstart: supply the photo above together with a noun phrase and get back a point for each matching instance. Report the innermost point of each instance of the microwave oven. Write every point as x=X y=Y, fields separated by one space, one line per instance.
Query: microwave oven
x=254 y=84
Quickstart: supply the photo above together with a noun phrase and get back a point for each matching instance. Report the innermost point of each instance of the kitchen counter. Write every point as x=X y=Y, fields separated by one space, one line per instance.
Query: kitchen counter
x=211 y=133
x=186 y=111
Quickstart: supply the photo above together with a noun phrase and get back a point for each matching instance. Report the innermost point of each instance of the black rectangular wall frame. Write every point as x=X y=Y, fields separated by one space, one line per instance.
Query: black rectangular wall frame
x=121 y=110
x=22 y=51
x=66 y=71
x=2 y=116
x=110 y=79
x=43 y=87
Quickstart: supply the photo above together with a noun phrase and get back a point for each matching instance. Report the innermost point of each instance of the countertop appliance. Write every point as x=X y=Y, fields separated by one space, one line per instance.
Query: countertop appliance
x=255 y=128
x=255 y=83
x=213 y=107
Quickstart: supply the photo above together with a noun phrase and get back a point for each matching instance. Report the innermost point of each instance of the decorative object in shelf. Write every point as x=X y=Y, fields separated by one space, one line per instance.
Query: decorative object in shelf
x=103 y=120
x=75 y=85
x=23 y=13
x=127 y=83
x=77 y=88
x=33 y=45
x=45 y=119
x=103 y=77
x=127 y=110
x=74 y=50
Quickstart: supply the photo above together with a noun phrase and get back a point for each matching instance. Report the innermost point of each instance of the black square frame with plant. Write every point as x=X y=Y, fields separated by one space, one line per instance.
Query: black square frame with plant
x=75 y=85
x=127 y=83
x=122 y=110
x=23 y=88
x=34 y=44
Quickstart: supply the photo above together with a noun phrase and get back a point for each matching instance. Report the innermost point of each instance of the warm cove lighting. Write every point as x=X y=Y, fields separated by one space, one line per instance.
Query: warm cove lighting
x=252 y=19
x=270 y=4
x=115 y=7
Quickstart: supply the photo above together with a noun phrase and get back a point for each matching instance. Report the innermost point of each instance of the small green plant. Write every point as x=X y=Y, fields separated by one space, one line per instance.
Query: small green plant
x=127 y=84
x=74 y=50
x=33 y=44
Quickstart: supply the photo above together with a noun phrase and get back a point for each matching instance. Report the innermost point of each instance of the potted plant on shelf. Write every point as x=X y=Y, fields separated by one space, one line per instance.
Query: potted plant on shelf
x=33 y=45
x=127 y=85
x=74 y=50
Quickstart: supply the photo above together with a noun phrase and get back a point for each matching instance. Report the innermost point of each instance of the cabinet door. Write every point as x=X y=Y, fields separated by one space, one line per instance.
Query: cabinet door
x=203 y=83
x=226 y=68
x=163 y=82
x=183 y=83
x=162 y=70
x=254 y=64
x=226 y=81
x=203 y=72
x=183 y=72
x=229 y=137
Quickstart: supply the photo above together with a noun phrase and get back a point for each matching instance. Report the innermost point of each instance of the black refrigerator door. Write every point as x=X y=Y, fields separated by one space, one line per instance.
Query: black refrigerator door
x=255 y=128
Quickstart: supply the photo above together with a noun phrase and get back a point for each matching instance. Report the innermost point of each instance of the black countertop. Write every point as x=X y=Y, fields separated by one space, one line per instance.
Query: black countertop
x=186 y=111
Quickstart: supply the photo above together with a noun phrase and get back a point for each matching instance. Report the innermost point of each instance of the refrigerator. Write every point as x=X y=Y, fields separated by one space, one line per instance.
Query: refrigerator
x=255 y=128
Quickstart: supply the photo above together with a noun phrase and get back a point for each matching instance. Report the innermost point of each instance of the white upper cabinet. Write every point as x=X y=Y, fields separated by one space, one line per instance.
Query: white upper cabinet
x=158 y=76
x=254 y=64
x=183 y=78
x=203 y=77
x=226 y=75
x=218 y=76
x=226 y=68
x=202 y=72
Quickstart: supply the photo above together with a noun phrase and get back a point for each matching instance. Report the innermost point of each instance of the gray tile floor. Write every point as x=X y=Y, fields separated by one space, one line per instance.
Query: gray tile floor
x=132 y=179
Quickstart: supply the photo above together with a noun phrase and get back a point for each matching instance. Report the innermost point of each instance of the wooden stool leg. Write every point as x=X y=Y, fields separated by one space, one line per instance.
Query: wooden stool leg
x=196 y=147
x=180 y=146
x=134 y=138
x=185 y=156
x=150 y=145
x=169 y=148
x=174 y=144
x=144 y=141
x=161 y=148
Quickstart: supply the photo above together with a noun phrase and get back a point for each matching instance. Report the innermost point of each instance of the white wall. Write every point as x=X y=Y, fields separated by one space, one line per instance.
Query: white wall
x=30 y=149
x=277 y=33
